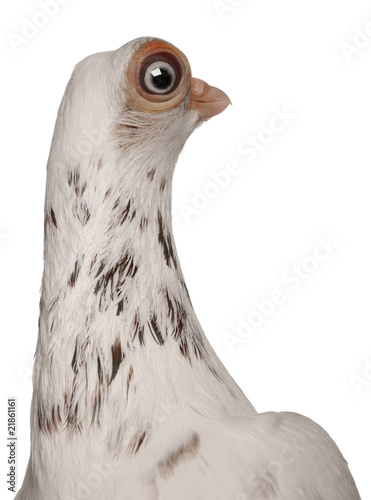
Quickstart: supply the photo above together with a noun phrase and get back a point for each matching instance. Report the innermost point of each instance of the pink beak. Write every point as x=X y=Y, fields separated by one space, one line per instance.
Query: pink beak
x=206 y=100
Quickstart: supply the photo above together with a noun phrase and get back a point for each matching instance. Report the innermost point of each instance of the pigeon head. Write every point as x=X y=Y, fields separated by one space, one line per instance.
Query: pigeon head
x=143 y=94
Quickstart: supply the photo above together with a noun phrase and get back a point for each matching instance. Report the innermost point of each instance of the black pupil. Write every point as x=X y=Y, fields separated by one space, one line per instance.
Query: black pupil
x=161 y=78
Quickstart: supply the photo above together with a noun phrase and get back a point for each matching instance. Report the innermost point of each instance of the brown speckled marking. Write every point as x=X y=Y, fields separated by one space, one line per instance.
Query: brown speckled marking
x=197 y=349
x=54 y=218
x=267 y=486
x=98 y=394
x=186 y=452
x=136 y=442
x=53 y=303
x=74 y=275
x=181 y=320
x=93 y=262
x=81 y=211
x=178 y=317
x=49 y=425
x=184 y=286
x=116 y=203
x=154 y=329
x=151 y=174
x=215 y=373
x=184 y=350
x=120 y=307
x=113 y=279
x=78 y=358
x=56 y=417
x=143 y=223
x=165 y=242
x=138 y=328
x=74 y=177
x=170 y=307
x=130 y=376
x=74 y=360
x=72 y=420
x=126 y=212
x=117 y=357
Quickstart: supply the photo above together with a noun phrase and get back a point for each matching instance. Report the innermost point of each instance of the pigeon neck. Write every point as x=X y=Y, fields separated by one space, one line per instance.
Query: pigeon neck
x=113 y=295
x=109 y=246
x=118 y=334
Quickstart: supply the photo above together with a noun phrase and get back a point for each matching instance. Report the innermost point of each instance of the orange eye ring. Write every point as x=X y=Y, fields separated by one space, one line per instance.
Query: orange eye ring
x=145 y=99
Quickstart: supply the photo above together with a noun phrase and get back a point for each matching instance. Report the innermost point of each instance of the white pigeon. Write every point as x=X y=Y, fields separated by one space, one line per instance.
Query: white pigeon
x=130 y=401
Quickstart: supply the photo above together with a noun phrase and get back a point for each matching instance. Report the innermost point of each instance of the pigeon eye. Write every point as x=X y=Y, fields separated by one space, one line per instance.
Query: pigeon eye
x=159 y=77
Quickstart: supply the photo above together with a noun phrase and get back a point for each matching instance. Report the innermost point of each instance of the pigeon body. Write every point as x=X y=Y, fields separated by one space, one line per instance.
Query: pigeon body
x=130 y=401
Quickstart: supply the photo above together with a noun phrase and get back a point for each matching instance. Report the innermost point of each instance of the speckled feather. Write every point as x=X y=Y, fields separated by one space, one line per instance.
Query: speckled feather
x=130 y=401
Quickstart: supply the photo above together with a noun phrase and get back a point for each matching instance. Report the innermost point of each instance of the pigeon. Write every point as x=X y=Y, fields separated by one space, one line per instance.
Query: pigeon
x=130 y=401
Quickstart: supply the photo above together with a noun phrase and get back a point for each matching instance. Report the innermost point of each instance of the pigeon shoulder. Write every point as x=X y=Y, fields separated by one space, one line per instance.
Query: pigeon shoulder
x=282 y=456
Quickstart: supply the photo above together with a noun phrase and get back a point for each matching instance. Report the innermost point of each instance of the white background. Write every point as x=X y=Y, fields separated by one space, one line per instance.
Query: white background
x=311 y=180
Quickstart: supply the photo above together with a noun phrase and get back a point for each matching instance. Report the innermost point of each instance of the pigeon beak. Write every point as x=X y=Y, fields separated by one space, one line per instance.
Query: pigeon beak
x=206 y=100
